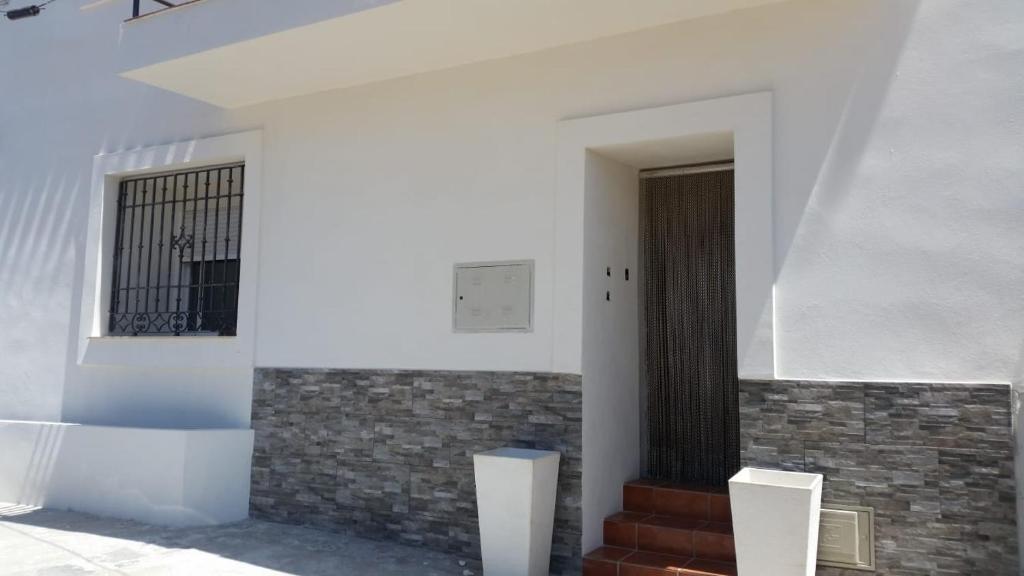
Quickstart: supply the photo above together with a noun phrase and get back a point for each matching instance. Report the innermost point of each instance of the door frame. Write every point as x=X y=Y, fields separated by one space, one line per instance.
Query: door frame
x=749 y=118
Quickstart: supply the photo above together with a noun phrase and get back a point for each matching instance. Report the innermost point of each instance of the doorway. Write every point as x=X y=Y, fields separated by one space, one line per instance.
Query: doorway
x=687 y=297
x=596 y=244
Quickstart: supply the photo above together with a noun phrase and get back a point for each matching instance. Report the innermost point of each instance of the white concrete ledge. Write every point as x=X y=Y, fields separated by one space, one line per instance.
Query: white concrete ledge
x=175 y=477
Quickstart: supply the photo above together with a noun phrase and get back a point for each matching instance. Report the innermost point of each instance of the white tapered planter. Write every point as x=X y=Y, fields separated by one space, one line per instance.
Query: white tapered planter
x=515 y=497
x=775 y=519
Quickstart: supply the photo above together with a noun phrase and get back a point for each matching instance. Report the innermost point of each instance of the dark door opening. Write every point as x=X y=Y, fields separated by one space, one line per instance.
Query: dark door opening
x=688 y=324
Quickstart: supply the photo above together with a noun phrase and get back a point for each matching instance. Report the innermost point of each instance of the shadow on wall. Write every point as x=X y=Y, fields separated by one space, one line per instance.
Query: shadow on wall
x=66 y=104
x=886 y=27
x=40 y=231
x=43 y=223
x=35 y=451
x=825 y=184
x=166 y=476
x=892 y=268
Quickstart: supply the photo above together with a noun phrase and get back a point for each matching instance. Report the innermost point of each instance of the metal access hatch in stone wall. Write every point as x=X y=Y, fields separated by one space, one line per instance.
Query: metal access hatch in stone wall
x=846 y=537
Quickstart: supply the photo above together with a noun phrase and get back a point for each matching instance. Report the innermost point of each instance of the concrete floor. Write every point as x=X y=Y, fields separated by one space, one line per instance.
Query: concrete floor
x=57 y=543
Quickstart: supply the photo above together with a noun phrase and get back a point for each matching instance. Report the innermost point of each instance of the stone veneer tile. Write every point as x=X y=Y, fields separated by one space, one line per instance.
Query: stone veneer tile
x=942 y=415
x=318 y=391
x=900 y=482
x=437 y=533
x=566 y=553
x=306 y=501
x=419 y=442
x=568 y=503
x=935 y=461
x=813 y=411
x=482 y=436
x=459 y=395
x=977 y=485
x=374 y=392
x=388 y=453
x=772 y=452
x=373 y=485
x=443 y=493
x=349 y=436
x=501 y=396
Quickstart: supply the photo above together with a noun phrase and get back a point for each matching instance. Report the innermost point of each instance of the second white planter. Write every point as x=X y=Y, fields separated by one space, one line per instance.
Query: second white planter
x=515 y=496
x=775 y=519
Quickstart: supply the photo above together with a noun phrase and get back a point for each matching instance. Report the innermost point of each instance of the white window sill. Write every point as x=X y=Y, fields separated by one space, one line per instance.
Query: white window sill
x=204 y=337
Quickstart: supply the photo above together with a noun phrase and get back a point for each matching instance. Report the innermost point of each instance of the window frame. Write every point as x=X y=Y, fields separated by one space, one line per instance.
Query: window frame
x=95 y=345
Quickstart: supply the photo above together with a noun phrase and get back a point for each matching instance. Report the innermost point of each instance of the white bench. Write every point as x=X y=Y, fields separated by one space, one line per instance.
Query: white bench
x=176 y=477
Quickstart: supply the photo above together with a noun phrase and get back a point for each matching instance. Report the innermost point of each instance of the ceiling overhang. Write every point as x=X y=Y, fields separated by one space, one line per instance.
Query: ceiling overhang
x=234 y=53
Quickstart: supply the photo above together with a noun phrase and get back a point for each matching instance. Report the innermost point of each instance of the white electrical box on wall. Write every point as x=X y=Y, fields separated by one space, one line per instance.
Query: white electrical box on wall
x=493 y=297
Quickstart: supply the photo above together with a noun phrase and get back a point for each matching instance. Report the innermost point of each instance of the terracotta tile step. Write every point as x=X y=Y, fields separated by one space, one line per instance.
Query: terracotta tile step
x=670 y=535
x=620 y=530
x=604 y=561
x=714 y=541
x=662 y=498
x=610 y=561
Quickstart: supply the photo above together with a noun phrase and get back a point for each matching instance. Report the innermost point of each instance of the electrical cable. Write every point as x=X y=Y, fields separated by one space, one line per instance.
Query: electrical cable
x=25 y=11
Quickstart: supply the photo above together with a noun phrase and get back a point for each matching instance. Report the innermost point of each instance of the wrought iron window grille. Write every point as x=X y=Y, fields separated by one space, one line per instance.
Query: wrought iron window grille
x=176 y=257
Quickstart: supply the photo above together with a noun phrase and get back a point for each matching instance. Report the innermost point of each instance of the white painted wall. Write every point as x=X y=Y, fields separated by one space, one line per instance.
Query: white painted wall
x=173 y=477
x=456 y=166
x=897 y=150
x=611 y=370
x=901 y=250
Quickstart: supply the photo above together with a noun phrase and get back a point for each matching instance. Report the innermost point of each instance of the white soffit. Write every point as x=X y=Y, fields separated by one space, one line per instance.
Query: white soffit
x=692 y=149
x=399 y=39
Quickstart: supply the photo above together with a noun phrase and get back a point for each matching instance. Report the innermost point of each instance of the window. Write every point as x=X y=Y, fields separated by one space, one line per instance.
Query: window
x=213 y=302
x=176 y=258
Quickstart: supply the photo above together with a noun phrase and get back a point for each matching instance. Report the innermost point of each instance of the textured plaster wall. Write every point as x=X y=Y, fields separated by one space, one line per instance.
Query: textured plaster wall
x=904 y=261
x=897 y=204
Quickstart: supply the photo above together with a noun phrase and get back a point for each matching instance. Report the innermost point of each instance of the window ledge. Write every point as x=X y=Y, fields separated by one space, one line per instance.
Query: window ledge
x=163 y=338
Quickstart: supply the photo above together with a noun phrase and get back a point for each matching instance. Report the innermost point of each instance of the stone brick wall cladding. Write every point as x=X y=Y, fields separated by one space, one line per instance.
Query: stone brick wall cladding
x=934 y=460
x=389 y=454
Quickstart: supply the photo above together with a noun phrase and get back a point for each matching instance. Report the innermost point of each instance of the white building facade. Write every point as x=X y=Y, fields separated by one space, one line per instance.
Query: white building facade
x=879 y=255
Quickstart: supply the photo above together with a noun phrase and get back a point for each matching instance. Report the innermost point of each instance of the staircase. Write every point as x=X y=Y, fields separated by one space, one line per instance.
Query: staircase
x=666 y=530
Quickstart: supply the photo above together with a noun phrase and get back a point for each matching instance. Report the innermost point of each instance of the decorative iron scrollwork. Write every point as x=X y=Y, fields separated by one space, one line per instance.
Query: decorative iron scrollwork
x=140 y=323
x=181 y=241
x=179 y=322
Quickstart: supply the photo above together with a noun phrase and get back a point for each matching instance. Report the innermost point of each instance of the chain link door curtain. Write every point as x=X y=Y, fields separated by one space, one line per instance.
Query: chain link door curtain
x=688 y=326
